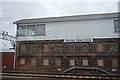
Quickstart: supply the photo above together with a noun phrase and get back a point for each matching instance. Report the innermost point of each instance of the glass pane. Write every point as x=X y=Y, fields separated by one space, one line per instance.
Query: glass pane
x=40 y=30
x=30 y=30
x=114 y=48
x=117 y=25
x=21 y=30
x=34 y=49
x=85 y=48
x=117 y=29
x=57 y=48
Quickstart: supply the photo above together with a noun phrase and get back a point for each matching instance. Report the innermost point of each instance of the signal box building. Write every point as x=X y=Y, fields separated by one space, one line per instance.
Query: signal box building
x=59 y=43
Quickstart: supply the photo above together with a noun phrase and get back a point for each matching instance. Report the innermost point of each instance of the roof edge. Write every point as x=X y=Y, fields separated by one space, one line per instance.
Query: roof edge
x=69 y=18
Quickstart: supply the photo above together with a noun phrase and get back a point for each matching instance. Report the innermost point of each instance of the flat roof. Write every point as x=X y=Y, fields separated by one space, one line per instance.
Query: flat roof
x=69 y=18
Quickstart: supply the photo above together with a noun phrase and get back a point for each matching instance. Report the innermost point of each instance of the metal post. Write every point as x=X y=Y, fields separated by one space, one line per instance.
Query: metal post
x=14 y=57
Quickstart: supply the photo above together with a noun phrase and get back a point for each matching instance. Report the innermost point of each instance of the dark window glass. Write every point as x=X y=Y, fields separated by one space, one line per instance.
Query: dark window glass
x=30 y=30
x=21 y=30
x=117 y=25
x=34 y=48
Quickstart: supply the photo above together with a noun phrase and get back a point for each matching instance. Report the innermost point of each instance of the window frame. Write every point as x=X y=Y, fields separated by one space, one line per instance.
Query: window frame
x=18 y=30
x=117 y=28
x=43 y=26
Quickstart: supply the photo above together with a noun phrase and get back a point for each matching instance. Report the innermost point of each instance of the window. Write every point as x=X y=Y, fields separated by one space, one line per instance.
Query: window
x=22 y=61
x=70 y=48
x=33 y=61
x=23 y=48
x=114 y=63
x=46 y=48
x=34 y=48
x=85 y=63
x=46 y=62
x=72 y=62
x=100 y=62
x=85 y=48
x=114 y=47
x=58 y=62
x=57 y=48
x=21 y=30
x=31 y=30
x=99 y=47
x=117 y=25
x=40 y=30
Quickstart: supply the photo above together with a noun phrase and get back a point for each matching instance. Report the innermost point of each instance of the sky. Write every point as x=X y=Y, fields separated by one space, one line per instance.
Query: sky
x=13 y=10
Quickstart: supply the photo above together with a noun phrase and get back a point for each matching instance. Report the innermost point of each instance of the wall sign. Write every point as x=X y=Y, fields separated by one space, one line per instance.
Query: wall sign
x=78 y=40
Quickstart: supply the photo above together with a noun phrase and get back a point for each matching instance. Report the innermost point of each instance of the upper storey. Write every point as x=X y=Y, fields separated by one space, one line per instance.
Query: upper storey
x=105 y=25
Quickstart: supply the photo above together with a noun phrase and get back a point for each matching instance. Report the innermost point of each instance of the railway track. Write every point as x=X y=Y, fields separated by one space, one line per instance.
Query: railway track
x=60 y=76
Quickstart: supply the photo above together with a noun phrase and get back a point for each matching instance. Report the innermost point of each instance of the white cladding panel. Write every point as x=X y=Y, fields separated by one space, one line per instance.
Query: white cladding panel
x=77 y=30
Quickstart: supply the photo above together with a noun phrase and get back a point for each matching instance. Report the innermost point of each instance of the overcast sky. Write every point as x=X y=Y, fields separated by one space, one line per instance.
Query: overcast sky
x=15 y=10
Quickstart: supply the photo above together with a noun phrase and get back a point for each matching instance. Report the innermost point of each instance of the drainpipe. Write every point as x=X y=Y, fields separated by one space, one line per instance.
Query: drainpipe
x=14 y=57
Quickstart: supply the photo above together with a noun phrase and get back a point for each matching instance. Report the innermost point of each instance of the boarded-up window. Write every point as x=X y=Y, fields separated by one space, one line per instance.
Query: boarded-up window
x=72 y=62
x=33 y=61
x=46 y=48
x=46 y=62
x=114 y=63
x=23 y=48
x=58 y=62
x=99 y=47
x=85 y=63
x=100 y=62
x=22 y=61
